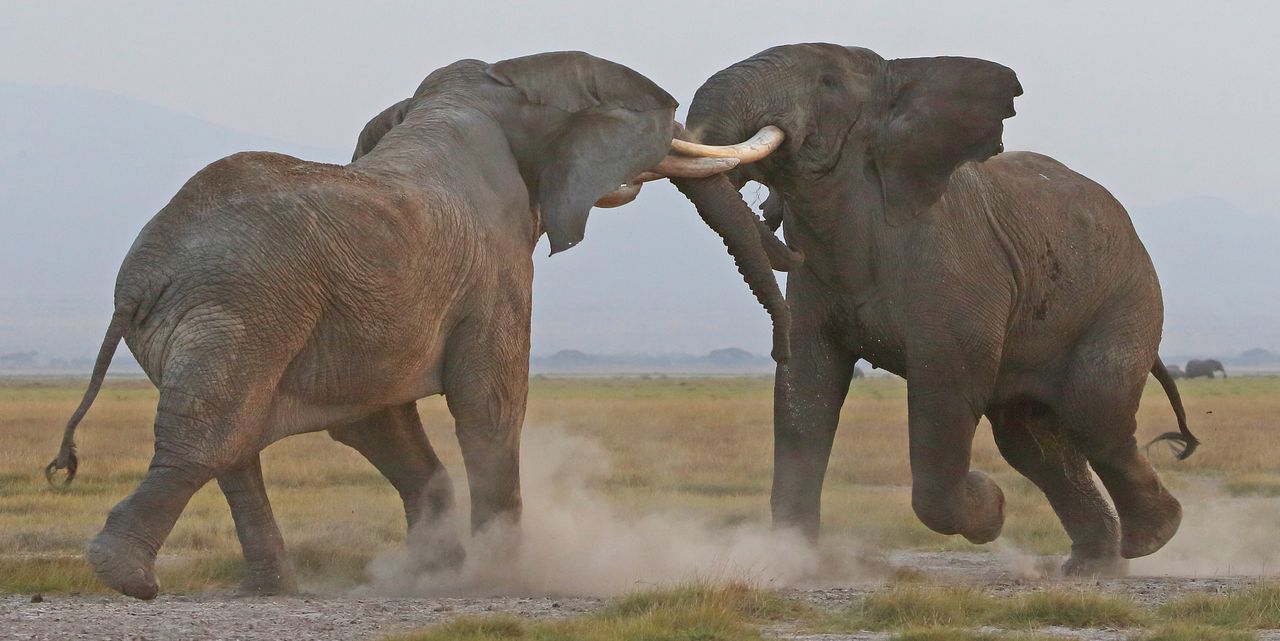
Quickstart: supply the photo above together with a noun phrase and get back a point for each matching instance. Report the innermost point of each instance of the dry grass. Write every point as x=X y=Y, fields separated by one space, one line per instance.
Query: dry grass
x=699 y=444
x=695 y=612
x=964 y=607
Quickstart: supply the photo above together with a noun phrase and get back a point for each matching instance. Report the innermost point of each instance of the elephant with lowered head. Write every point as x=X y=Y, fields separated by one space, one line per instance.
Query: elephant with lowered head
x=274 y=296
x=1205 y=368
x=1013 y=288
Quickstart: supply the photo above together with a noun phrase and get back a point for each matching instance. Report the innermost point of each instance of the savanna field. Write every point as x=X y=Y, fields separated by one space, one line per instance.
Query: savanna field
x=687 y=458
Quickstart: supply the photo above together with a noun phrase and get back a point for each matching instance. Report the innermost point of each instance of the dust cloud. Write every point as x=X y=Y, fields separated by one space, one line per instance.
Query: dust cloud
x=574 y=541
x=1220 y=535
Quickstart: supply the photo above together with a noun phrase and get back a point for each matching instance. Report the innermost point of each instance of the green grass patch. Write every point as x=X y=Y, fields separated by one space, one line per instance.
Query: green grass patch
x=1253 y=608
x=933 y=607
x=688 y=613
x=960 y=634
x=1187 y=632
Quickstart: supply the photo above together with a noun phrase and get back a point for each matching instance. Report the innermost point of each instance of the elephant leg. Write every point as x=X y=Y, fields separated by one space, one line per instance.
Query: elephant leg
x=946 y=495
x=267 y=571
x=486 y=387
x=190 y=447
x=1099 y=415
x=808 y=393
x=1030 y=440
x=394 y=441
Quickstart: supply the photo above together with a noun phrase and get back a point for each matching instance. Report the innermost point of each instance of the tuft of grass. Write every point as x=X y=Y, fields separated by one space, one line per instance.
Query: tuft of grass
x=1188 y=632
x=930 y=607
x=744 y=601
x=961 y=634
x=1254 y=608
x=688 y=613
x=1072 y=610
x=912 y=607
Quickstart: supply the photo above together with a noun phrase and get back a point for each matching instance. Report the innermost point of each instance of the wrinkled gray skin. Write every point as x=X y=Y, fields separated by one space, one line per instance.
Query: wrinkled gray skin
x=274 y=296
x=1013 y=288
x=1204 y=368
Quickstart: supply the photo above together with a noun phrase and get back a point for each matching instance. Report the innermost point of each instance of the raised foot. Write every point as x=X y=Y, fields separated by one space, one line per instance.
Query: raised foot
x=986 y=518
x=125 y=565
x=1147 y=528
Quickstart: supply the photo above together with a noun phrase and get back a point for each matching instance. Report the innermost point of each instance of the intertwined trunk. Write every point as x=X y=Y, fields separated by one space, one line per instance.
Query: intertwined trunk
x=724 y=211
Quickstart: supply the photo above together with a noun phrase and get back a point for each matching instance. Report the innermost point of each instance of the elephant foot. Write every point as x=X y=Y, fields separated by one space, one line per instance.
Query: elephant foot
x=1148 y=527
x=125 y=565
x=975 y=512
x=1095 y=565
x=266 y=583
x=985 y=519
x=436 y=549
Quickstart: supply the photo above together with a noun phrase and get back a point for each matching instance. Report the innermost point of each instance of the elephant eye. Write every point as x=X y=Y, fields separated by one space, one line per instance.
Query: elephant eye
x=828 y=80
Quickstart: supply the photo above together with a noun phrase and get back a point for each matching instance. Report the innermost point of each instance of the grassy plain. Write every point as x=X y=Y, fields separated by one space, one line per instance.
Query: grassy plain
x=694 y=444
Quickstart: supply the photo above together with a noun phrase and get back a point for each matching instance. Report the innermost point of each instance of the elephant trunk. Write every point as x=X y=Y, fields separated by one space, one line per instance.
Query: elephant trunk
x=723 y=210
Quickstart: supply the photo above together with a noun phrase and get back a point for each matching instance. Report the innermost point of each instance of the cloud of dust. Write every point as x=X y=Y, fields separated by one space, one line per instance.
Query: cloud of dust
x=1220 y=535
x=574 y=541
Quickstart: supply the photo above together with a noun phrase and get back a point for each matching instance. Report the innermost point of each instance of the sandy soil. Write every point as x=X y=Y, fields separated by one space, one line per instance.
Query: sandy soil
x=221 y=616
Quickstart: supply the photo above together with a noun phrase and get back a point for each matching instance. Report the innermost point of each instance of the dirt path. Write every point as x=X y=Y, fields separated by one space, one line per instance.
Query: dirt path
x=220 y=616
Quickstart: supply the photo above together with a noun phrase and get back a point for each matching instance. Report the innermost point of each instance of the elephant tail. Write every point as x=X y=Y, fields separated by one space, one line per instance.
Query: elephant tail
x=66 y=459
x=1183 y=436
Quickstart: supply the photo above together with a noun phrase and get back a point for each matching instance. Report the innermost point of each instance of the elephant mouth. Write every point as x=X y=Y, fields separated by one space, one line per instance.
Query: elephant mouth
x=693 y=160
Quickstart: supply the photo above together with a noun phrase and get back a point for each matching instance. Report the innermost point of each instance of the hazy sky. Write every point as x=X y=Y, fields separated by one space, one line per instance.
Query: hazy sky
x=1158 y=100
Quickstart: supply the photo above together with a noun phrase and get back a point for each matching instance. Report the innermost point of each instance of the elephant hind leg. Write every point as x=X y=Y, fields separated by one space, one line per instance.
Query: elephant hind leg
x=1031 y=441
x=267 y=571
x=394 y=441
x=1098 y=411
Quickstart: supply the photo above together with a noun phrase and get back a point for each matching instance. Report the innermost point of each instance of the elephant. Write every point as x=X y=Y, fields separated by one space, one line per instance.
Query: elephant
x=273 y=296
x=1205 y=368
x=1176 y=372
x=996 y=284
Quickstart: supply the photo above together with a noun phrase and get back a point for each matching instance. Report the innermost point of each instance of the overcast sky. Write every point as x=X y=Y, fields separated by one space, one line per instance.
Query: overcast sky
x=1158 y=100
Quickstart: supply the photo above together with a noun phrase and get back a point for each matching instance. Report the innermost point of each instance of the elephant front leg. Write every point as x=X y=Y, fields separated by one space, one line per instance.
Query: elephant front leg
x=267 y=571
x=808 y=393
x=394 y=441
x=946 y=495
x=486 y=385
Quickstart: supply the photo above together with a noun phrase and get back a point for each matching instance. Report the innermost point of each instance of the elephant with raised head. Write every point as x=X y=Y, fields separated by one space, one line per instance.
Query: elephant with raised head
x=274 y=296
x=1013 y=288
x=1205 y=368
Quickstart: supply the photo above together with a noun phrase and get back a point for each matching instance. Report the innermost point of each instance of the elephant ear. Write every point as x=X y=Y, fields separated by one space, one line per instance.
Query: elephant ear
x=620 y=125
x=378 y=127
x=944 y=112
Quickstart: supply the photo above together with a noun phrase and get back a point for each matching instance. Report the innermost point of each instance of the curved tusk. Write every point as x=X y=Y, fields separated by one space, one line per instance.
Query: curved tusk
x=620 y=196
x=682 y=167
x=757 y=147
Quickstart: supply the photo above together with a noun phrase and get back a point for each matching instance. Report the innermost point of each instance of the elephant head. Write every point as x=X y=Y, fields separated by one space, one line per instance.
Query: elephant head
x=588 y=132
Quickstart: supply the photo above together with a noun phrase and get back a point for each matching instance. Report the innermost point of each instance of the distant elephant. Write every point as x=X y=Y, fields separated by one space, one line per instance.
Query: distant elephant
x=1205 y=368
x=1013 y=288
x=274 y=296
x=1176 y=372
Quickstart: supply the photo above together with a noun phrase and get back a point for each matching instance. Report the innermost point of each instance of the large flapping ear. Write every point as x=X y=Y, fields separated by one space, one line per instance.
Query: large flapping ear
x=379 y=126
x=944 y=112
x=620 y=125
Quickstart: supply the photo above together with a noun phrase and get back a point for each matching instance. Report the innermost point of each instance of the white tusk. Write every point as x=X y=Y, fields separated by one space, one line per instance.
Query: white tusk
x=681 y=167
x=620 y=196
x=757 y=147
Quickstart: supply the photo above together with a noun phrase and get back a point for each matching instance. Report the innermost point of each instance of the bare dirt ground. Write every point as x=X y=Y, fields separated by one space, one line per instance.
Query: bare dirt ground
x=356 y=617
